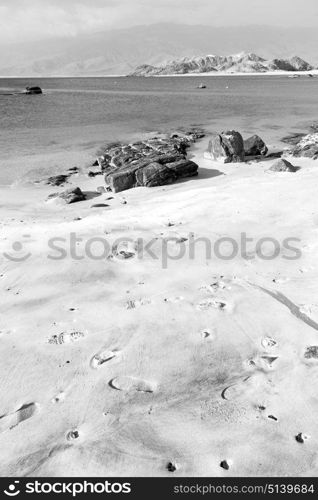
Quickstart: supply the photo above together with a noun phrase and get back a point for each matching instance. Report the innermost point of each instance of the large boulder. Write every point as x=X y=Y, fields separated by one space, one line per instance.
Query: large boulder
x=158 y=174
x=307 y=146
x=154 y=162
x=255 y=146
x=283 y=165
x=155 y=174
x=33 y=90
x=69 y=196
x=227 y=146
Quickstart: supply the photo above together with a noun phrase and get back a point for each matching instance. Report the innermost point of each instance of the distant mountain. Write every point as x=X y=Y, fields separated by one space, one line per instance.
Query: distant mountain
x=120 y=51
x=238 y=63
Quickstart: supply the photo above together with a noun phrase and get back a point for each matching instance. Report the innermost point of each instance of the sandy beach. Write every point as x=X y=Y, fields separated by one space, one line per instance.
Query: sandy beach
x=164 y=362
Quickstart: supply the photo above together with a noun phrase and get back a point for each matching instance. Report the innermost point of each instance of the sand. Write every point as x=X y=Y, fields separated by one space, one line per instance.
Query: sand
x=124 y=366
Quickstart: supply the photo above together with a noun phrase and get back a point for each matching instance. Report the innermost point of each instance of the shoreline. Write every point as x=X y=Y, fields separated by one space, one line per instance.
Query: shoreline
x=216 y=73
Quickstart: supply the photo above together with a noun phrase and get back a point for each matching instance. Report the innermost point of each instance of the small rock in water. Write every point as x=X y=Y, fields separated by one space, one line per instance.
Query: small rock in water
x=33 y=90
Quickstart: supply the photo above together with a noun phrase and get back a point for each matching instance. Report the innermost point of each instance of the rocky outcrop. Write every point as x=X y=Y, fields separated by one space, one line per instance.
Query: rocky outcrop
x=227 y=146
x=153 y=162
x=255 y=146
x=283 y=166
x=33 y=90
x=307 y=146
x=242 y=63
x=69 y=196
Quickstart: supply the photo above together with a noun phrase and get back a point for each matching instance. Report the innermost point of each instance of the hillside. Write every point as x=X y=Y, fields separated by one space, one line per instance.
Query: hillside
x=238 y=63
x=120 y=51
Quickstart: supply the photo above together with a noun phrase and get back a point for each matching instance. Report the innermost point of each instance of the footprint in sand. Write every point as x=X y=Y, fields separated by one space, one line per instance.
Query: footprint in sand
x=136 y=304
x=172 y=466
x=125 y=250
x=262 y=362
x=72 y=435
x=132 y=384
x=59 y=398
x=268 y=342
x=65 y=338
x=102 y=357
x=214 y=287
x=244 y=389
x=208 y=334
x=11 y=420
x=210 y=303
x=174 y=300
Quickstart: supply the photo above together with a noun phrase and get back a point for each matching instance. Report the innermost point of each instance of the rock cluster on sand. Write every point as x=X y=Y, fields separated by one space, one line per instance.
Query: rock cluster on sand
x=69 y=196
x=283 y=165
x=307 y=146
x=230 y=147
x=153 y=162
x=227 y=146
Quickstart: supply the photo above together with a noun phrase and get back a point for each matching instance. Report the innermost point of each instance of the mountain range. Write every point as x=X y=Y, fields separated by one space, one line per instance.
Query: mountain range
x=238 y=63
x=120 y=51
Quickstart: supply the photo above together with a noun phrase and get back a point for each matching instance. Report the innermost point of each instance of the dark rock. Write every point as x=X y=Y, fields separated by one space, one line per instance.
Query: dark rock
x=93 y=174
x=282 y=165
x=225 y=465
x=172 y=467
x=123 y=163
x=155 y=174
x=33 y=90
x=57 y=180
x=100 y=205
x=311 y=352
x=255 y=146
x=293 y=138
x=227 y=146
x=69 y=196
x=275 y=154
x=301 y=438
x=307 y=146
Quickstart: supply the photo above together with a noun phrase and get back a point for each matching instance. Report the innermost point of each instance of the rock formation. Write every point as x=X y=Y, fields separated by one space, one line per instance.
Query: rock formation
x=242 y=63
x=227 y=146
x=283 y=165
x=307 y=146
x=255 y=146
x=33 y=90
x=153 y=162
x=69 y=196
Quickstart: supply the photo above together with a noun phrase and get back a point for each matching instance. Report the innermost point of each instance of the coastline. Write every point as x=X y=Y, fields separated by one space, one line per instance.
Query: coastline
x=183 y=417
x=213 y=73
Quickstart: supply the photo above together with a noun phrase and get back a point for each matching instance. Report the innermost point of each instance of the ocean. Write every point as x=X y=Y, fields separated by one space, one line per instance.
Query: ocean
x=76 y=116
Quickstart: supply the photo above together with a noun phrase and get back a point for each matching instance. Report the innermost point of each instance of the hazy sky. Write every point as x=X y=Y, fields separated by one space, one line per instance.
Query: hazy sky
x=36 y=19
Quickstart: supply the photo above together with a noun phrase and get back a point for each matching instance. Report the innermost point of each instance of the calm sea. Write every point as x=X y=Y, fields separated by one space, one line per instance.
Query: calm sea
x=77 y=115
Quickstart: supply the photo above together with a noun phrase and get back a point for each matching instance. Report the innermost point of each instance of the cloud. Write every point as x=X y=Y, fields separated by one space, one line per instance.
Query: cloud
x=22 y=20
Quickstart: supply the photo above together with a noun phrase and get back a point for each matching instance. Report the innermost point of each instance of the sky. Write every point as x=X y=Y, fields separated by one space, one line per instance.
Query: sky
x=31 y=20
